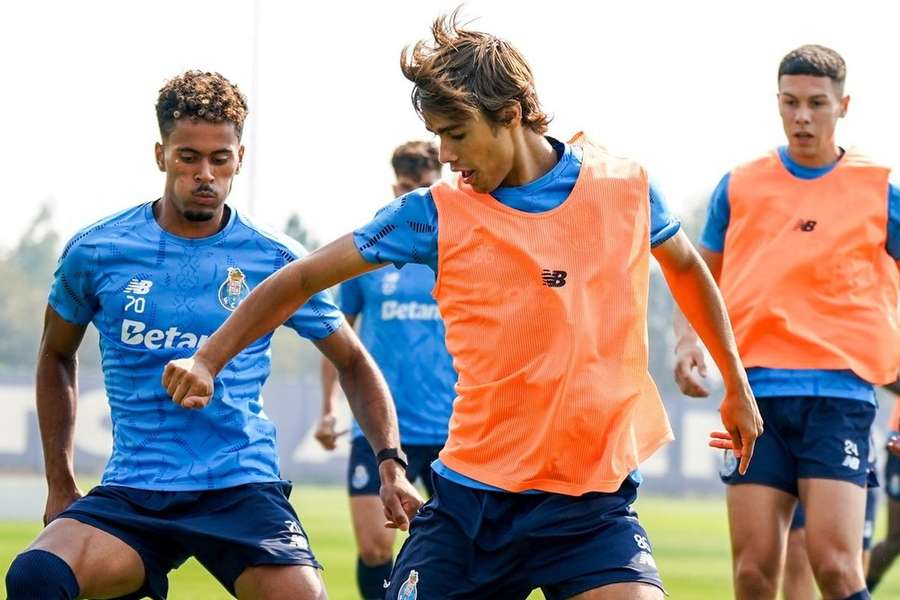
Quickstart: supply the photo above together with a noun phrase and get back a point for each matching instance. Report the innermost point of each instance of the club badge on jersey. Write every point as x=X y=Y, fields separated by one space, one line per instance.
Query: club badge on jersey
x=234 y=289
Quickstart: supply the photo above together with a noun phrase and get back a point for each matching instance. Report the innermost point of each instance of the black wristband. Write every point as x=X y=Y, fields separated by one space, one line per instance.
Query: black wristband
x=392 y=454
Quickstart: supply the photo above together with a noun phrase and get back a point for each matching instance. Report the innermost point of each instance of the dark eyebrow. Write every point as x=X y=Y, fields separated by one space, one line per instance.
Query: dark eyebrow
x=816 y=97
x=193 y=151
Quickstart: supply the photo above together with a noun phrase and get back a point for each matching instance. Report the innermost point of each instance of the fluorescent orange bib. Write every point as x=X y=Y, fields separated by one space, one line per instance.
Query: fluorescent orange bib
x=805 y=274
x=546 y=319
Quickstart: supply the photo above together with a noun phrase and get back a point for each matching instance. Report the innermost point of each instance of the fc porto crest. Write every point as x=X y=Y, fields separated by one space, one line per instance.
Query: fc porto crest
x=233 y=289
x=409 y=591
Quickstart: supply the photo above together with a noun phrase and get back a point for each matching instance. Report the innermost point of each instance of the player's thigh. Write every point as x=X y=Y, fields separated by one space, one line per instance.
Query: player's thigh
x=373 y=539
x=623 y=591
x=835 y=516
x=758 y=521
x=280 y=582
x=104 y=565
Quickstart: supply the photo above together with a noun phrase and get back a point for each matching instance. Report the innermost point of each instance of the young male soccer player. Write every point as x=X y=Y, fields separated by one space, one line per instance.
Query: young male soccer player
x=156 y=280
x=402 y=329
x=542 y=254
x=885 y=551
x=803 y=243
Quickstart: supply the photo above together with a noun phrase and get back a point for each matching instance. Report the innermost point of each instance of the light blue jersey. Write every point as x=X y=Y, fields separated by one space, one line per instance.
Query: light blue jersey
x=768 y=383
x=154 y=297
x=406 y=232
x=402 y=329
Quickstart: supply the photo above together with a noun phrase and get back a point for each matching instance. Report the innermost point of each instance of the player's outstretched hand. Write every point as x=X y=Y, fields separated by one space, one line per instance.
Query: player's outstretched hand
x=189 y=382
x=326 y=434
x=59 y=500
x=742 y=420
x=689 y=357
x=400 y=498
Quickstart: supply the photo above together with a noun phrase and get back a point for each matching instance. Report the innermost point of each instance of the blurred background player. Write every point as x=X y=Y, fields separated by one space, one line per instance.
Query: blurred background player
x=542 y=254
x=156 y=280
x=885 y=551
x=402 y=330
x=804 y=243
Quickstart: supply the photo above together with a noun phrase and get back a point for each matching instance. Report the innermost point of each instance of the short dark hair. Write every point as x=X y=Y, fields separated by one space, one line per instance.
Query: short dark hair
x=200 y=95
x=413 y=159
x=460 y=71
x=815 y=60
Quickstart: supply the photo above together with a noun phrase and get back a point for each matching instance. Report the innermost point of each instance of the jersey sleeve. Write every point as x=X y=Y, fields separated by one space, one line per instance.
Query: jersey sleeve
x=717 y=216
x=663 y=225
x=350 y=297
x=319 y=317
x=893 y=230
x=404 y=231
x=72 y=294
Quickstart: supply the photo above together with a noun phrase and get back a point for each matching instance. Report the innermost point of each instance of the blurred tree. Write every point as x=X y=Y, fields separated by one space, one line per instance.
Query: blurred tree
x=297 y=230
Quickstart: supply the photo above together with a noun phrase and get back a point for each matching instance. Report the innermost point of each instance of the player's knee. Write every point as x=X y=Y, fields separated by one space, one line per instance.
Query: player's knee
x=838 y=571
x=755 y=580
x=37 y=574
x=373 y=553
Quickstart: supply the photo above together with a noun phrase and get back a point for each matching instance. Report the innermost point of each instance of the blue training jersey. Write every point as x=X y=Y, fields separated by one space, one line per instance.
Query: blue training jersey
x=402 y=329
x=154 y=297
x=769 y=383
x=405 y=231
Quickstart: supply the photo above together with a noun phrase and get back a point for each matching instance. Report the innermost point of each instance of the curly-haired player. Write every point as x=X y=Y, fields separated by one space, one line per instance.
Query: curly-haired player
x=156 y=280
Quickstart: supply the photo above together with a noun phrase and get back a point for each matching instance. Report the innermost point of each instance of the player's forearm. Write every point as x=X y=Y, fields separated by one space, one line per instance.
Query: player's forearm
x=329 y=376
x=370 y=400
x=56 y=398
x=268 y=306
x=698 y=297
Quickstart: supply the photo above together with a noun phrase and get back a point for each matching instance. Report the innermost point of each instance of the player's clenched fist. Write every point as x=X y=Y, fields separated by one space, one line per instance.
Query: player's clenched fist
x=189 y=382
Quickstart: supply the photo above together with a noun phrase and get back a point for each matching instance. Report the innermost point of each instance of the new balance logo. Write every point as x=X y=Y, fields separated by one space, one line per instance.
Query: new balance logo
x=803 y=225
x=140 y=287
x=554 y=278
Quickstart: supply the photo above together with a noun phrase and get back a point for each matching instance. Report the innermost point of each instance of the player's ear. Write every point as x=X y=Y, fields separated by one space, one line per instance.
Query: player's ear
x=845 y=104
x=240 y=160
x=160 y=157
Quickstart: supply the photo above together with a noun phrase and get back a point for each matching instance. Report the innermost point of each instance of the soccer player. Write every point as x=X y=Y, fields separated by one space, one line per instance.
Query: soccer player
x=156 y=280
x=885 y=551
x=803 y=242
x=402 y=329
x=542 y=255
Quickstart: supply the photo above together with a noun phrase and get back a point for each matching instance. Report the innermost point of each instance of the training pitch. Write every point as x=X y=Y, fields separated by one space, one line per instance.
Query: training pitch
x=689 y=536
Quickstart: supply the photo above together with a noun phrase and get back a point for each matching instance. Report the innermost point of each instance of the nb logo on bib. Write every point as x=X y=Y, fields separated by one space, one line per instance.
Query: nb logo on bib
x=554 y=278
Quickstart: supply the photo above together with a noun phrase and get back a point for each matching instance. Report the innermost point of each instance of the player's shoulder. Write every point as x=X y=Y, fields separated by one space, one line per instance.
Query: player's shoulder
x=101 y=232
x=279 y=242
x=758 y=161
x=612 y=164
x=860 y=159
x=417 y=200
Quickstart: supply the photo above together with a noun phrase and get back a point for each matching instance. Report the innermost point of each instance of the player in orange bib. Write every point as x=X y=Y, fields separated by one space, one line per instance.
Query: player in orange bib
x=803 y=242
x=542 y=255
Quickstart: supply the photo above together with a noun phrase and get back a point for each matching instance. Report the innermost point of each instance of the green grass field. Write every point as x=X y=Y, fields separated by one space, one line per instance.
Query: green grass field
x=690 y=542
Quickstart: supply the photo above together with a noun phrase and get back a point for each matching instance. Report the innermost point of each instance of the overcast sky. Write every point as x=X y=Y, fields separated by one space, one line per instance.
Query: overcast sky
x=688 y=88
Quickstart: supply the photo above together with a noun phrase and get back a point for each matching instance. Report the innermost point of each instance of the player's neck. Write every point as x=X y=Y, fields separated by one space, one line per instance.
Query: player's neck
x=825 y=156
x=172 y=221
x=534 y=157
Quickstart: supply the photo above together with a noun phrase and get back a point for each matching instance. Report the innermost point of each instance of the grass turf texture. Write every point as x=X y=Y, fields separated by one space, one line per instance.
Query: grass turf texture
x=689 y=536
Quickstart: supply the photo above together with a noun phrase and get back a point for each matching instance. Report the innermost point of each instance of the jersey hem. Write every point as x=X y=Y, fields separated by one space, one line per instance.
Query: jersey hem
x=216 y=484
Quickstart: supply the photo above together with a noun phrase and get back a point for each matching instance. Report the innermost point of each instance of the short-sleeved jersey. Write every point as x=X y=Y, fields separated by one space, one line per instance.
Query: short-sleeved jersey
x=406 y=230
x=154 y=297
x=402 y=329
x=800 y=382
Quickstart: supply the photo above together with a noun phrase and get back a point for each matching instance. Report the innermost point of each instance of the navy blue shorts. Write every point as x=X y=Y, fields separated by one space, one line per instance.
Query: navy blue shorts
x=226 y=530
x=470 y=543
x=362 y=469
x=808 y=437
x=799 y=520
x=892 y=477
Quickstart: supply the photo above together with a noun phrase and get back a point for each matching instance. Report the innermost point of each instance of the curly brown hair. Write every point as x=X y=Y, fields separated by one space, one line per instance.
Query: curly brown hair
x=461 y=71
x=413 y=159
x=200 y=95
x=816 y=60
